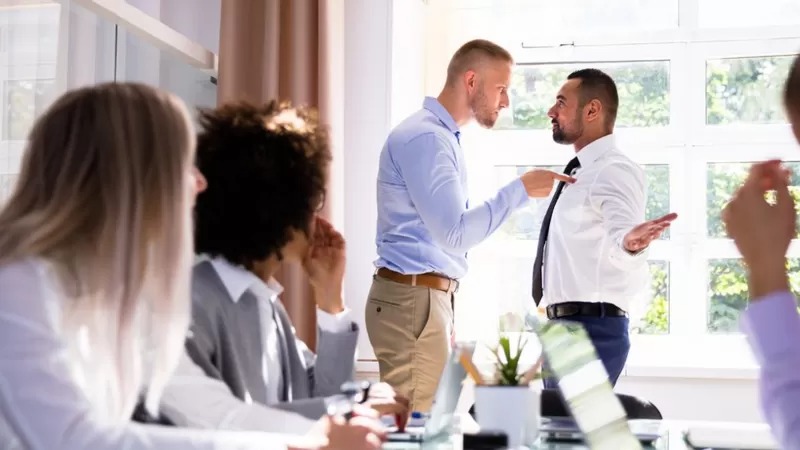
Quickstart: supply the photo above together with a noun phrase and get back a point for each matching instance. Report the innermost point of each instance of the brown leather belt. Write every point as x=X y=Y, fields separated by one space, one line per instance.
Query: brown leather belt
x=429 y=280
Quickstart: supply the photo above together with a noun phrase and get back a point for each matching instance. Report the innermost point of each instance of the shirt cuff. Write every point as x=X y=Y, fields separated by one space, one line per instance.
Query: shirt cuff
x=334 y=323
x=517 y=195
x=772 y=326
x=625 y=259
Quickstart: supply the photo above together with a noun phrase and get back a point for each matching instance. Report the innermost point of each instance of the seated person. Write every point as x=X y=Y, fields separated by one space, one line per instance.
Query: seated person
x=95 y=263
x=267 y=172
x=762 y=233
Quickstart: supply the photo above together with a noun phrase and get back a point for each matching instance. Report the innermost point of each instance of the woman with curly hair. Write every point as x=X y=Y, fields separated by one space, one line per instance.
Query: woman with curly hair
x=267 y=172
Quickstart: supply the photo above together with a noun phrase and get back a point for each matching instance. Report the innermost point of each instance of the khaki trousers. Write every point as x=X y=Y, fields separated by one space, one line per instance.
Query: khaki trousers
x=410 y=329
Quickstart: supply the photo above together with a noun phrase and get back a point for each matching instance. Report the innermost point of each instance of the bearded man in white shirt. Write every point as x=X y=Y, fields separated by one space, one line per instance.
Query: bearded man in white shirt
x=591 y=262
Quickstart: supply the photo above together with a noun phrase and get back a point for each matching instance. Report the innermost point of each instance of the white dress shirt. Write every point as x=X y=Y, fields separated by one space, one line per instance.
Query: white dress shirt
x=43 y=406
x=237 y=281
x=585 y=260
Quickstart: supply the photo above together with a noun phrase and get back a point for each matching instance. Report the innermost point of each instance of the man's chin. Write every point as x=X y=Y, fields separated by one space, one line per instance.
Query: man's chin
x=559 y=138
x=488 y=124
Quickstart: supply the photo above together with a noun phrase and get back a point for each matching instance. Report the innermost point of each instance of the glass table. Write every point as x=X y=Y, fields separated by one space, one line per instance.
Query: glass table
x=672 y=439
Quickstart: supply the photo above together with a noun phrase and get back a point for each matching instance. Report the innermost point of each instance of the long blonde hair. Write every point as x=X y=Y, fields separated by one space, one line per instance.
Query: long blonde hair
x=102 y=197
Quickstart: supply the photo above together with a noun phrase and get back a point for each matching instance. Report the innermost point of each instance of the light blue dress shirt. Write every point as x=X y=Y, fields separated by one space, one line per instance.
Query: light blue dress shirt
x=425 y=223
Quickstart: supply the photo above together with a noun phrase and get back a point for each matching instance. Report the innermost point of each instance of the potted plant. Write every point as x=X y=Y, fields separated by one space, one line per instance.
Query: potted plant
x=509 y=402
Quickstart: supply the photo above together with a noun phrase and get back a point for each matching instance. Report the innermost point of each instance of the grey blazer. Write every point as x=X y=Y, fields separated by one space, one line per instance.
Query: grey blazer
x=225 y=342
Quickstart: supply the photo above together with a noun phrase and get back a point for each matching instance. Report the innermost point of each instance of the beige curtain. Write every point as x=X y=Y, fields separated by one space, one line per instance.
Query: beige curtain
x=286 y=50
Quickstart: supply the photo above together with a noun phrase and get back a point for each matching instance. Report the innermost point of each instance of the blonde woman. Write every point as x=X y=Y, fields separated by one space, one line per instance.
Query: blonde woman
x=95 y=256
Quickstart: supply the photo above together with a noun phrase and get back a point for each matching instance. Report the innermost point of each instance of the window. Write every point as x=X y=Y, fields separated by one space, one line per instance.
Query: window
x=24 y=100
x=28 y=49
x=643 y=85
x=700 y=99
x=745 y=90
x=764 y=13
x=47 y=47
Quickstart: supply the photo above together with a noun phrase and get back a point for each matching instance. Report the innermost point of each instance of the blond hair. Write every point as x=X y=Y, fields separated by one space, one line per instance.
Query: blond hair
x=102 y=197
x=474 y=53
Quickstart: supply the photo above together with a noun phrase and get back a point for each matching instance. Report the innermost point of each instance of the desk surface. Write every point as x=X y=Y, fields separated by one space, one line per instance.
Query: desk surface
x=672 y=440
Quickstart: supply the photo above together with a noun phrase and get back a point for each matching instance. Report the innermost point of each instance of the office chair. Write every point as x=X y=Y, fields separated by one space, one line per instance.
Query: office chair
x=635 y=408
x=141 y=415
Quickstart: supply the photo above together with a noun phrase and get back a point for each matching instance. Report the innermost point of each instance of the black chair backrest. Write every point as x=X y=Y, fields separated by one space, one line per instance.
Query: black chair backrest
x=141 y=415
x=636 y=408
x=553 y=406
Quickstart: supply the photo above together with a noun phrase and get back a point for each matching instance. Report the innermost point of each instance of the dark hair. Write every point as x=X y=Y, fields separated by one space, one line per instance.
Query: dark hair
x=791 y=90
x=596 y=84
x=469 y=55
x=266 y=169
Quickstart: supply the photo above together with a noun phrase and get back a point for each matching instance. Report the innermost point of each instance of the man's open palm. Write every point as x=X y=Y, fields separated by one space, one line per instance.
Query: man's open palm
x=643 y=234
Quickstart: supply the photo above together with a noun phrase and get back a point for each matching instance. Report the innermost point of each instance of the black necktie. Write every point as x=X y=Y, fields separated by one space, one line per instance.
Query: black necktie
x=538 y=290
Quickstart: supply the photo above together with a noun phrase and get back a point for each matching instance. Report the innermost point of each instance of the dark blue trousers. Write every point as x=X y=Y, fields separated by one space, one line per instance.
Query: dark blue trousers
x=610 y=337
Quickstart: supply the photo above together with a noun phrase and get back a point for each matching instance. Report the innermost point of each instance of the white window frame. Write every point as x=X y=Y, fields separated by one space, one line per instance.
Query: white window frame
x=687 y=145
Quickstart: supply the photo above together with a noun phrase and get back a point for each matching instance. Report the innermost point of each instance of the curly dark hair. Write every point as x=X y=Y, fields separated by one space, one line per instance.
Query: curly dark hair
x=266 y=168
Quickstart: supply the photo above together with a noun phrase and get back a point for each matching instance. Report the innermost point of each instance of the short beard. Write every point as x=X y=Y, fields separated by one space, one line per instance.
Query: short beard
x=560 y=136
x=478 y=107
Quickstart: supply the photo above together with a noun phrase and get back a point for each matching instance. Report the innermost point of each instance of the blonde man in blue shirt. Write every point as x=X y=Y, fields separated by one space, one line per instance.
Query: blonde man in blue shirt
x=426 y=225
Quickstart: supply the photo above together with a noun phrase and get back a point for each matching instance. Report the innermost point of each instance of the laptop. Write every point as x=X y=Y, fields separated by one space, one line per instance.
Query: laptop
x=598 y=417
x=445 y=401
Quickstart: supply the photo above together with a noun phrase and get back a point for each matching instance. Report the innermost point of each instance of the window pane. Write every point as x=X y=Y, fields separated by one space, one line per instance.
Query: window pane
x=746 y=90
x=148 y=64
x=522 y=224
x=528 y=19
x=24 y=100
x=728 y=293
x=657 y=177
x=29 y=45
x=7 y=182
x=655 y=319
x=643 y=90
x=725 y=13
x=722 y=181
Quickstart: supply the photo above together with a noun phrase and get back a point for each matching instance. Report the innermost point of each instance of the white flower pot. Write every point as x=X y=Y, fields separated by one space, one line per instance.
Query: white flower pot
x=513 y=410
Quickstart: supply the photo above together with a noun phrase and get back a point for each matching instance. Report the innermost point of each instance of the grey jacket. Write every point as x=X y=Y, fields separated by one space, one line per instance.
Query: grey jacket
x=225 y=342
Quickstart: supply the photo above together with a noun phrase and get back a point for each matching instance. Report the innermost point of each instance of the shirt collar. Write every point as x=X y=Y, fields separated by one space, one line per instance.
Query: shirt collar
x=592 y=152
x=433 y=105
x=238 y=280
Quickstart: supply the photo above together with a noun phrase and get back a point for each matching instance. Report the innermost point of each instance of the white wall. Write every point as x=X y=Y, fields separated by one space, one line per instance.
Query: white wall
x=385 y=52
x=408 y=41
x=367 y=91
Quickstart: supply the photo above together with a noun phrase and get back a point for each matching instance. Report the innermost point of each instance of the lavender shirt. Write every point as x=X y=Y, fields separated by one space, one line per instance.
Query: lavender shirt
x=772 y=325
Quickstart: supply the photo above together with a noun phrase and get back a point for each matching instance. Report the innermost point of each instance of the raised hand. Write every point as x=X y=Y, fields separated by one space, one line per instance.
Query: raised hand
x=324 y=264
x=539 y=182
x=643 y=234
x=762 y=231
